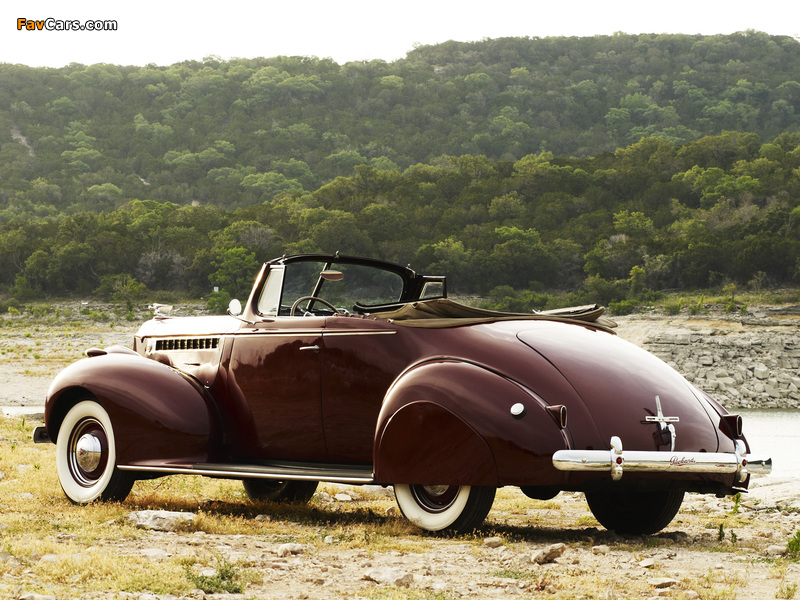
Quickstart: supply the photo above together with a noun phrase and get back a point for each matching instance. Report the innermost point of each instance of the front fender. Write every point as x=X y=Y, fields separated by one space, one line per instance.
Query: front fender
x=449 y=422
x=159 y=415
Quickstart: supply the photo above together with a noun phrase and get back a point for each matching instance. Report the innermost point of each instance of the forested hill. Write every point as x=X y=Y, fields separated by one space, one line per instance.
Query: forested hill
x=528 y=162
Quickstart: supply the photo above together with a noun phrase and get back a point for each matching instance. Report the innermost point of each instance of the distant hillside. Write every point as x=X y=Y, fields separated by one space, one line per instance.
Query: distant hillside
x=610 y=166
x=243 y=131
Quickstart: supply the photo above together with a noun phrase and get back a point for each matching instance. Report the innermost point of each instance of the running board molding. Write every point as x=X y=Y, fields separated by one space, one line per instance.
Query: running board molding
x=351 y=474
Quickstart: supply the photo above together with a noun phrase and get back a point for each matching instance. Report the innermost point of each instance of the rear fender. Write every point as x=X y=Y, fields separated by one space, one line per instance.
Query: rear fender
x=158 y=414
x=450 y=422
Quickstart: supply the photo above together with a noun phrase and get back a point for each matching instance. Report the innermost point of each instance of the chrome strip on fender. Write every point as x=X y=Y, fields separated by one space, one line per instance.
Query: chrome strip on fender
x=615 y=461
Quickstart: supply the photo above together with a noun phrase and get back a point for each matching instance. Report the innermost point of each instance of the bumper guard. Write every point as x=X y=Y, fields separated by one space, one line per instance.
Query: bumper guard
x=616 y=461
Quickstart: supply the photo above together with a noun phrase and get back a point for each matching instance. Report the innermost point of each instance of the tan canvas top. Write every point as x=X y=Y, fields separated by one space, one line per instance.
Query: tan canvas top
x=443 y=312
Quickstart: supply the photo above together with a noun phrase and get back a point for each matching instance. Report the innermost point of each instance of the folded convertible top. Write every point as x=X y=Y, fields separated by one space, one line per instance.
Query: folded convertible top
x=442 y=312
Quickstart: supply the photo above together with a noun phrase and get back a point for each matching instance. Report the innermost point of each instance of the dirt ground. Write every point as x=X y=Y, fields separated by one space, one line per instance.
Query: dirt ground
x=714 y=549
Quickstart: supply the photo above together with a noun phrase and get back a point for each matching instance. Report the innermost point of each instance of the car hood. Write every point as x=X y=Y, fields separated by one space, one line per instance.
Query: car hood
x=618 y=383
x=194 y=326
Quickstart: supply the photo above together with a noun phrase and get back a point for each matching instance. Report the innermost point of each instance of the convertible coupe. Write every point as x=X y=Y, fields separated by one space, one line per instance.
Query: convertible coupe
x=359 y=371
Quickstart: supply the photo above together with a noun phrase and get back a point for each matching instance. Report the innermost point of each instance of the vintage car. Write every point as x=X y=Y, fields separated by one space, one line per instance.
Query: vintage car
x=359 y=371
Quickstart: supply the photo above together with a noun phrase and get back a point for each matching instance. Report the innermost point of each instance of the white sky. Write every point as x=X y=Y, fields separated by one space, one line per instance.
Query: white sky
x=169 y=31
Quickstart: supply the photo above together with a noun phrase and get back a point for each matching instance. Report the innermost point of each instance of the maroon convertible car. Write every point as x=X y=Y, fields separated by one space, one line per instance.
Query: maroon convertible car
x=360 y=371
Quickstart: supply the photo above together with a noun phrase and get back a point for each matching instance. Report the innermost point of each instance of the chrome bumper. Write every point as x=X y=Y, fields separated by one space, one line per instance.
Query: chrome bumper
x=616 y=461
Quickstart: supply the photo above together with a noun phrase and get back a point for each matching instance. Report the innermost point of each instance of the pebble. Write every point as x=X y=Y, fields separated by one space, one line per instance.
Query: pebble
x=647 y=563
x=159 y=520
x=390 y=576
x=662 y=582
x=549 y=554
x=285 y=550
x=493 y=542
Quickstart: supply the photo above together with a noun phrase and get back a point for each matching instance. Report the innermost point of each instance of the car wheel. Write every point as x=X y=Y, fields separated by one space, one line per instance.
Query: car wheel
x=272 y=490
x=86 y=456
x=635 y=513
x=447 y=508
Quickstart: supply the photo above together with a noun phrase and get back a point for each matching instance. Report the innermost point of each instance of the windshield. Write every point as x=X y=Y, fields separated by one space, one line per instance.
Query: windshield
x=345 y=286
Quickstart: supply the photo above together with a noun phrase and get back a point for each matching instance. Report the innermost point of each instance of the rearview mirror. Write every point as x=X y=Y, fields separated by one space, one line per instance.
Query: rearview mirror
x=331 y=275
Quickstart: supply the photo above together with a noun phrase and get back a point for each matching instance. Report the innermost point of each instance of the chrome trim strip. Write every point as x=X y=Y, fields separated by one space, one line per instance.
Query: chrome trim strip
x=615 y=461
x=242 y=474
x=342 y=333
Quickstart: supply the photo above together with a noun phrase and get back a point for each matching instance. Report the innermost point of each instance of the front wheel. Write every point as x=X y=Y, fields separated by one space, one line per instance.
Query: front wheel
x=86 y=456
x=635 y=513
x=446 y=508
x=298 y=492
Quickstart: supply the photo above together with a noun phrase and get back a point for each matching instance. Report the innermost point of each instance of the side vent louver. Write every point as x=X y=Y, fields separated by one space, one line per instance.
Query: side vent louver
x=187 y=344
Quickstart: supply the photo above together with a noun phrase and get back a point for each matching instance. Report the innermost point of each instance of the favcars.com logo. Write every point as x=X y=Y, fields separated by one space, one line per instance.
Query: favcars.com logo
x=65 y=25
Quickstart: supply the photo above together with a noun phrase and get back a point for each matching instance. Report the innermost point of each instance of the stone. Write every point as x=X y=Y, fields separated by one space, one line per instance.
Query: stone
x=160 y=520
x=647 y=563
x=493 y=542
x=549 y=554
x=390 y=576
x=285 y=550
x=776 y=550
x=662 y=582
x=601 y=549
x=154 y=553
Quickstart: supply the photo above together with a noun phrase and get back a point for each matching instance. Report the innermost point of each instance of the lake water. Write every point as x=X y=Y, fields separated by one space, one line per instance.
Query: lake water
x=775 y=433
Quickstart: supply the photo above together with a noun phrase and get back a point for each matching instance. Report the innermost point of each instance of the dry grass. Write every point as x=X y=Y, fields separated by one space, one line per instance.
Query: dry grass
x=56 y=548
x=66 y=549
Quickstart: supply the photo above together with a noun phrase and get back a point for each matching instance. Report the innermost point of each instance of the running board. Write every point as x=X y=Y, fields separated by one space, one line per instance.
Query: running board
x=353 y=474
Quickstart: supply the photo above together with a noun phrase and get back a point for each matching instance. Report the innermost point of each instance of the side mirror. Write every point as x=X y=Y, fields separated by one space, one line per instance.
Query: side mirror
x=235 y=308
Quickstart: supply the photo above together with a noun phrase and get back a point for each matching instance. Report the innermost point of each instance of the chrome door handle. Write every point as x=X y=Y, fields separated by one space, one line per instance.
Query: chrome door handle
x=312 y=348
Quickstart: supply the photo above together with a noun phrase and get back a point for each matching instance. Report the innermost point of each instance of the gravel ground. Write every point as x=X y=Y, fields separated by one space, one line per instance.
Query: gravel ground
x=687 y=560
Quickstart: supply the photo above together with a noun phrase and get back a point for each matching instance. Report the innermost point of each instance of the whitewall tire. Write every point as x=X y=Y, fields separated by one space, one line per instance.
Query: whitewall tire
x=86 y=456
x=445 y=508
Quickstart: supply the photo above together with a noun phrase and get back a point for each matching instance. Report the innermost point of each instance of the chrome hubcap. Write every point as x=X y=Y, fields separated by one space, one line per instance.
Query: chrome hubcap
x=88 y=452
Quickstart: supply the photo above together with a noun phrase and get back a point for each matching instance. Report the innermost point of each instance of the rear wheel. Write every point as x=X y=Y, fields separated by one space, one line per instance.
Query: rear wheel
x=272 y=490
x=635 y=513
x=86 y=456
x=447 y=508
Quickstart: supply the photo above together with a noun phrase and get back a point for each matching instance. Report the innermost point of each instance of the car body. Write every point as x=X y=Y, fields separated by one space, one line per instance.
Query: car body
x=360 y=371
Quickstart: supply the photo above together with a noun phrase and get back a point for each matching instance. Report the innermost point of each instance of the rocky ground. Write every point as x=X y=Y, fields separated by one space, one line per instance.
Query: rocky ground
x=714 y=549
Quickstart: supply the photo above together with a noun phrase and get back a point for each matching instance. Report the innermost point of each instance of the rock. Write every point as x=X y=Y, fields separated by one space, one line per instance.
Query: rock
x=389 y=576
x=36 y=597
x=662 y=582
x=493 y=542
x=549 y=554
x=647 y=563
x=761 y=372
x=601 y=549
x=285 y=550
x=159 y=520
x=154 y=553
x=776 y=550
x=342 y=497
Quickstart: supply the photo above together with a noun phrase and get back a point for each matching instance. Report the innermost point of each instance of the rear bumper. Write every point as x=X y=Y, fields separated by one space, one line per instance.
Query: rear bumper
x=616 y=462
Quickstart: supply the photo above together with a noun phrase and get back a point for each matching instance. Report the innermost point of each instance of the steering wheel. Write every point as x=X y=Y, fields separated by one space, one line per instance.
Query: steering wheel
x=315 y=298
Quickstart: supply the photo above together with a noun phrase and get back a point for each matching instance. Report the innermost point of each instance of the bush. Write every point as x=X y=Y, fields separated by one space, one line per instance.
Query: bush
x=218 y=302
x=623 y=307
